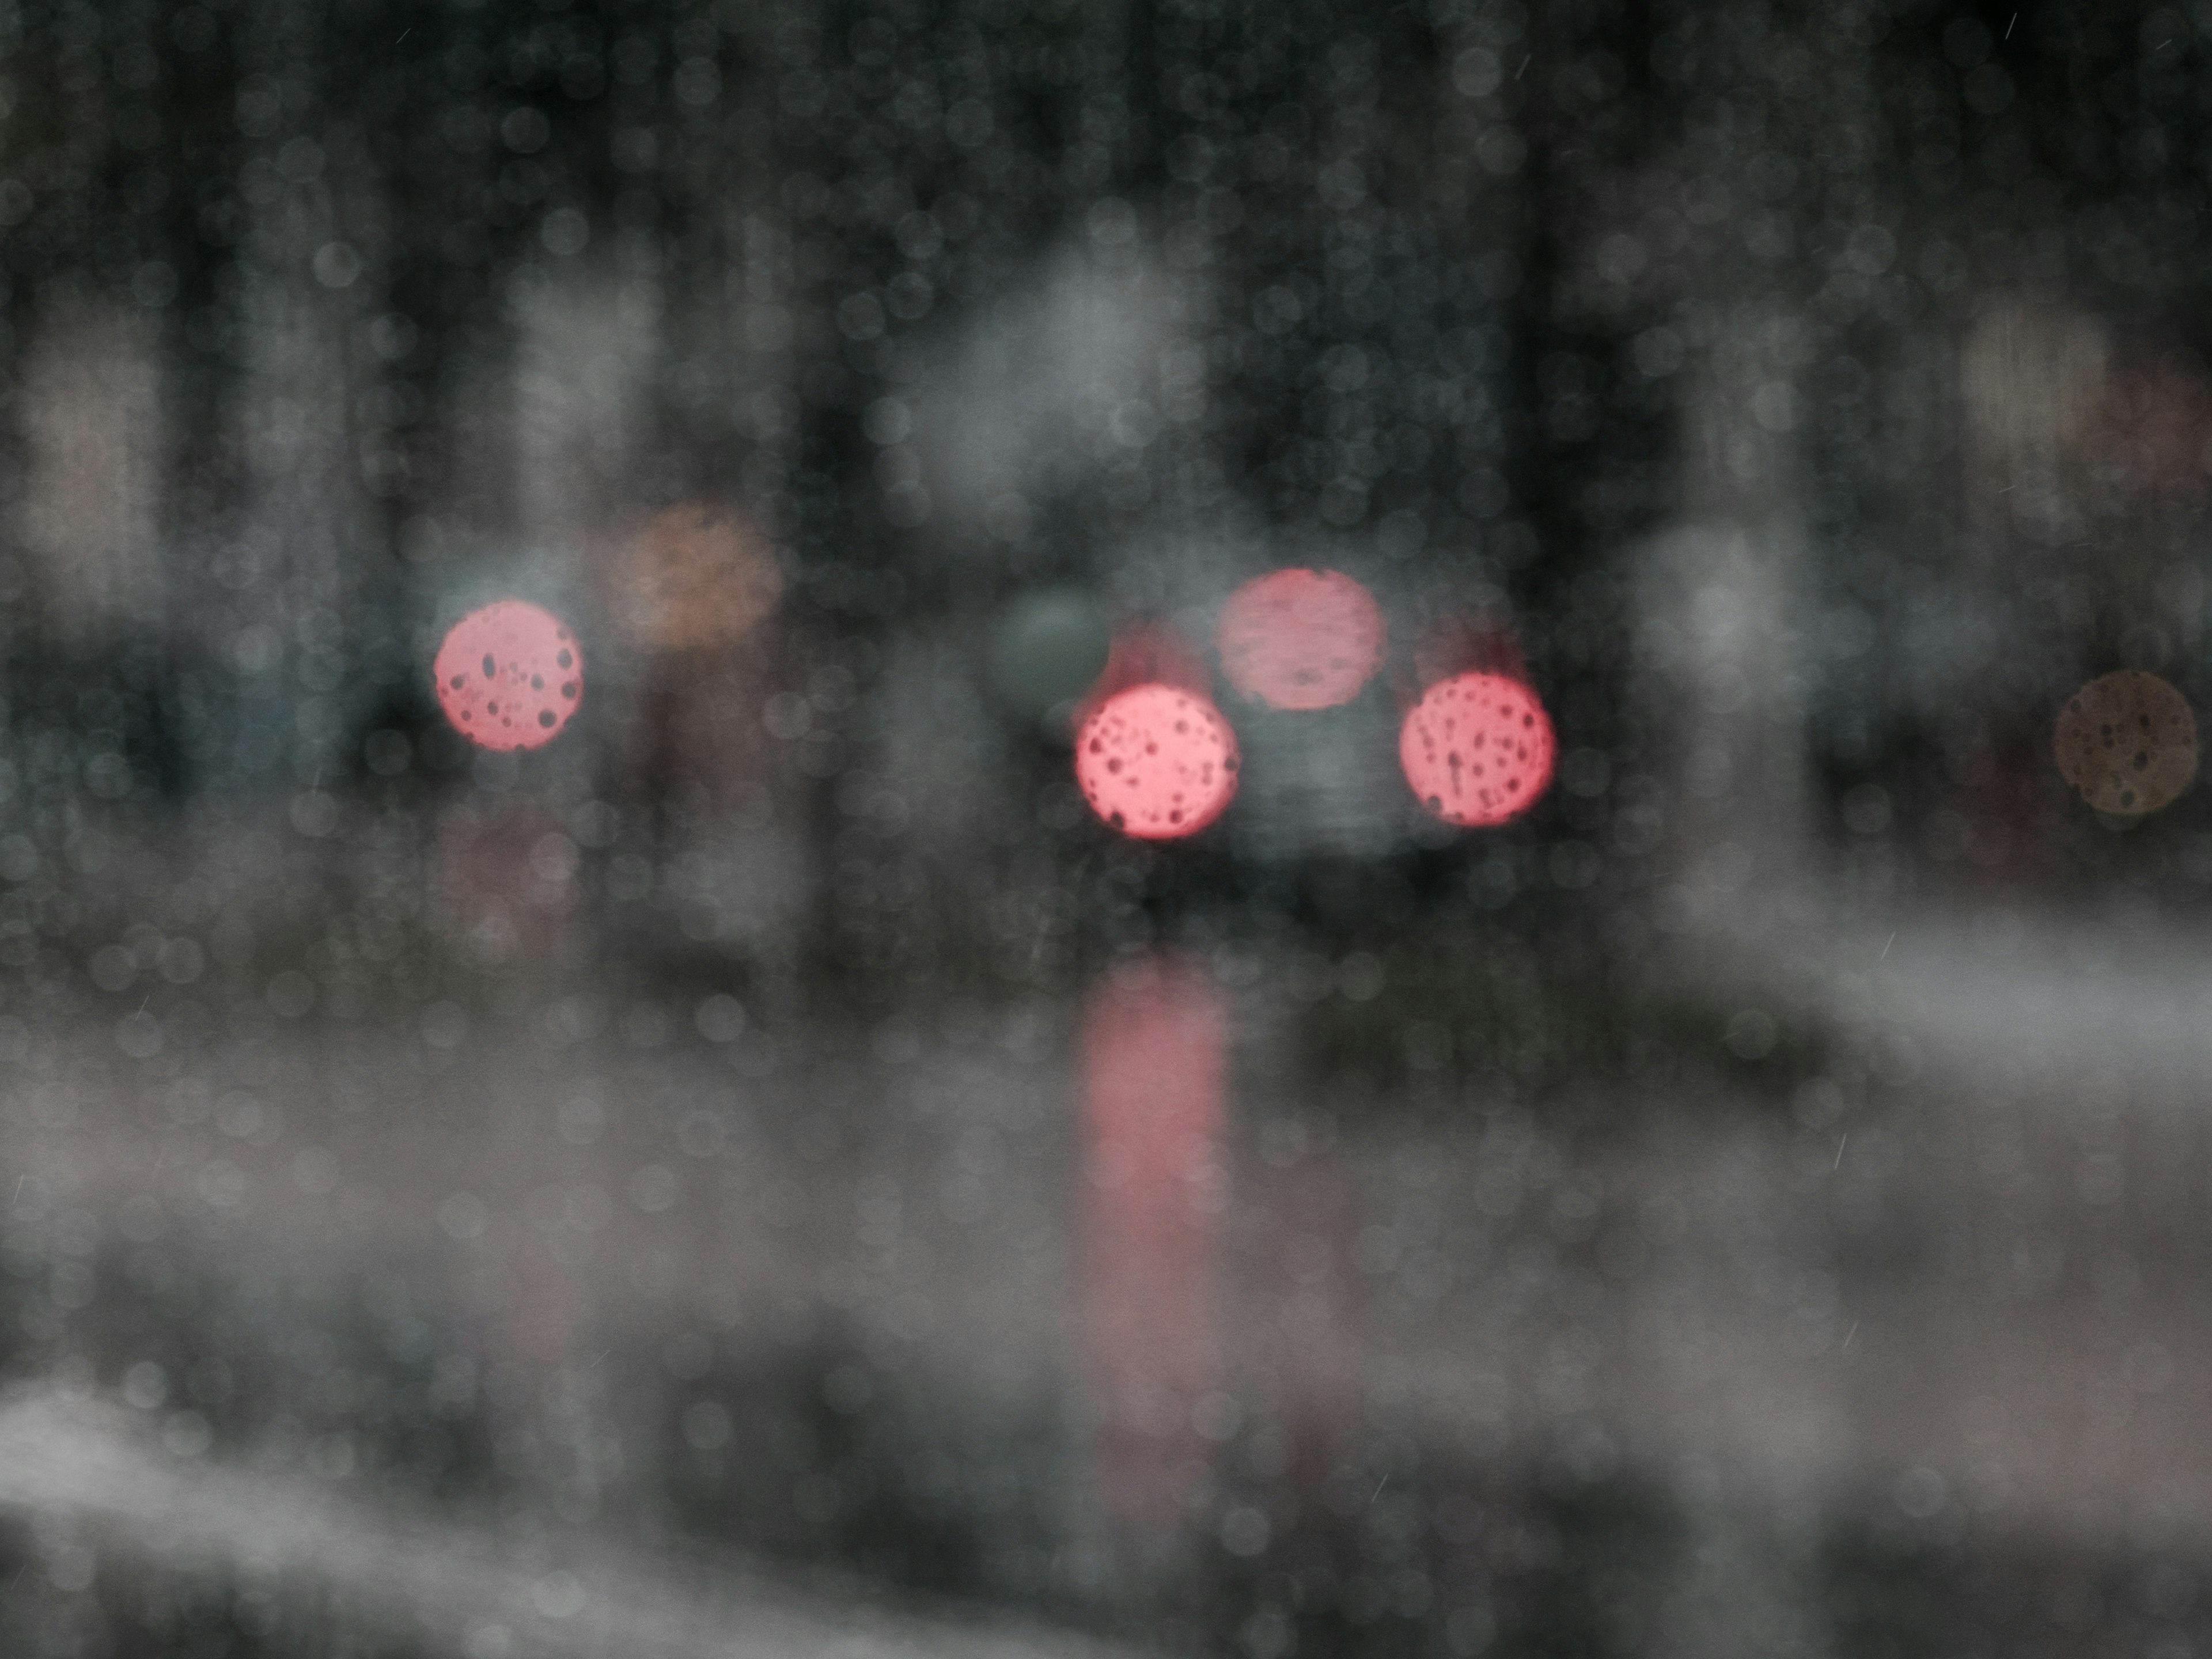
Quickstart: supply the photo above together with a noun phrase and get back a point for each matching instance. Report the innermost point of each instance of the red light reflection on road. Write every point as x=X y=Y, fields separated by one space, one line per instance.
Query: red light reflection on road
x=1300 y=639
x=1477 y=749
x=1155 y=1042
x=1155 y=761
x=509 y=675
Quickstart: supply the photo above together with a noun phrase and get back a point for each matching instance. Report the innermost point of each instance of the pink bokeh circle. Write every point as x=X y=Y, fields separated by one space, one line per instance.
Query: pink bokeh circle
x=509 y=675
x=1156 y=762
x=1300 y=639
x=1477 y=749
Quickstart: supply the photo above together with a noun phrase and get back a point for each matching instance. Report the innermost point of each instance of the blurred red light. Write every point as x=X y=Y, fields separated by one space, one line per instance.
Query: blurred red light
x=509 y=675
x=1477 y=749
x=1300 y=639
x=1155 y=761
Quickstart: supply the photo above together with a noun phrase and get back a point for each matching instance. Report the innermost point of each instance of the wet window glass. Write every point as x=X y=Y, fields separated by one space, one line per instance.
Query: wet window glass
x=1145 y=827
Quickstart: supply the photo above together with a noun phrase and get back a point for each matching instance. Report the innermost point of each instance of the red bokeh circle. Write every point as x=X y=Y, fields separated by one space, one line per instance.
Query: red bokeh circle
x=1477 y=749
x=509 y=675
x=1155 y=761
x=1300 y=639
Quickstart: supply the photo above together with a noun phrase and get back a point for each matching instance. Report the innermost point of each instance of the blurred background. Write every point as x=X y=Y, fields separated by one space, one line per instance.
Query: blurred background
x=769 y=1172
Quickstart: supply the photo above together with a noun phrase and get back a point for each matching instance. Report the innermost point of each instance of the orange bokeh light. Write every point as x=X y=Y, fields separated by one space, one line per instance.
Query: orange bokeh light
x=509 y=675
x=694 y=578
x=1155 y=761
x=1300 y=639
x=1477 y=749
x=2128 y=742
